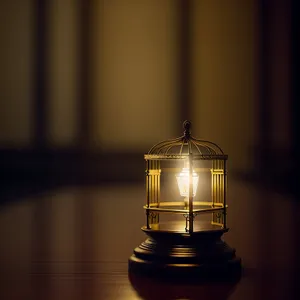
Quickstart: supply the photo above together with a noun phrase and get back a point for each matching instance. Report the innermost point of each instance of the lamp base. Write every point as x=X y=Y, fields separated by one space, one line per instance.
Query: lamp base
x=201 y=255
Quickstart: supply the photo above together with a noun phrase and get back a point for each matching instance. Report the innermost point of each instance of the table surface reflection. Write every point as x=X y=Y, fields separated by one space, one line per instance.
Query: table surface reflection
x=74 y=242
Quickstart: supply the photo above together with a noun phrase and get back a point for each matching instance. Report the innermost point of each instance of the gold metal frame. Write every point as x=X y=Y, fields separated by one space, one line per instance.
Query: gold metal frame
x=188 y=148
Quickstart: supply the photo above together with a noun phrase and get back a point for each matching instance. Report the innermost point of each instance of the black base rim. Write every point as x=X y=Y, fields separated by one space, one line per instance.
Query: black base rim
x=199 y=256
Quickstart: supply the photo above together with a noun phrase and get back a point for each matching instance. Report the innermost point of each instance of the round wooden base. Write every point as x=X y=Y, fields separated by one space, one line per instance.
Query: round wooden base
x=200 y=255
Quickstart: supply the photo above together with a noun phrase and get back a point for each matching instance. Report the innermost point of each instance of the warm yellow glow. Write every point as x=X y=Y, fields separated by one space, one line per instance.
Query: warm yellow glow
x=183 y=181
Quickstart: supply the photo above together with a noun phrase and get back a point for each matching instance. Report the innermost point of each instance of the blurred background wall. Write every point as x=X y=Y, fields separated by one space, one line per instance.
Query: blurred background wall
x=102 y=77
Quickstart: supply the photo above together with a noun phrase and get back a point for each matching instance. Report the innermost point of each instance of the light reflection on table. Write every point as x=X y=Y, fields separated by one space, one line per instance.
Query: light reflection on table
x=73 y=243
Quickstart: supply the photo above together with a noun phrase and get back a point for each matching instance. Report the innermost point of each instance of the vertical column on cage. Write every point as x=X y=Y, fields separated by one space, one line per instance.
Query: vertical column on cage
x=158 y=185
x=153 y=190
x=221 y=191
x=154 y=179
x=218 y=192
x=213 y=189
x=147 y=194
x=212 y=186
x=224 y=193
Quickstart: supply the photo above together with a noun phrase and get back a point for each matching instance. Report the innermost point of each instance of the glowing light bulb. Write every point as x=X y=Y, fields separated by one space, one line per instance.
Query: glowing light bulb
x=183 y=181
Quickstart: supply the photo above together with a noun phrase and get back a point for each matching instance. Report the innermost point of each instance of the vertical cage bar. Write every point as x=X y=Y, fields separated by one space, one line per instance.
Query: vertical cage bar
x=225 y=192
x=158 y=185
x=152 y=191
x=221 y=189
x=215 y=182
x=212 y=185
x=155 y=183
x=191 y=214
x=147 y=193
x=153 y=194
x=150 y=182
x=218 y=188
x=147 y=182
x=219 y=182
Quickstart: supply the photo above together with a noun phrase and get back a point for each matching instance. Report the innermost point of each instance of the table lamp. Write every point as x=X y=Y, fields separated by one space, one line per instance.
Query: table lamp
x=186 y=212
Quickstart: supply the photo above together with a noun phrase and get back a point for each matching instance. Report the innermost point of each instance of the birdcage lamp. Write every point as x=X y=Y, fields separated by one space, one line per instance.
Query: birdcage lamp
x=186 y=211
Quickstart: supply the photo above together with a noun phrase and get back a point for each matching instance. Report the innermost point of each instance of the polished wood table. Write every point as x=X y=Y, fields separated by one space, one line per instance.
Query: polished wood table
x=73 y=242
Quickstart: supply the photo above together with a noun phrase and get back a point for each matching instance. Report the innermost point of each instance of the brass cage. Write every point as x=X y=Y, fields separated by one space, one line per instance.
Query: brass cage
x=189 y=149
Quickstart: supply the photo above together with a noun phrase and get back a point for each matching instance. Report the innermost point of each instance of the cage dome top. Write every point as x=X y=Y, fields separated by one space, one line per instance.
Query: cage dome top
x=185 y=145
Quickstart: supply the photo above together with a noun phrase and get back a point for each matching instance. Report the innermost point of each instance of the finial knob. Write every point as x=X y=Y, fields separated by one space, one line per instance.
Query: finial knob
x=187 y=128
